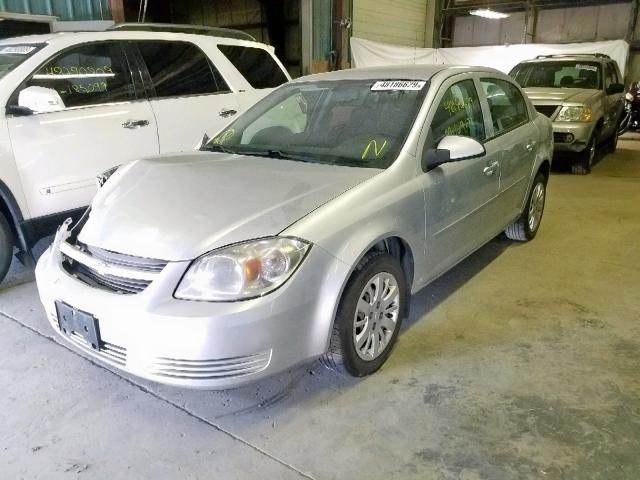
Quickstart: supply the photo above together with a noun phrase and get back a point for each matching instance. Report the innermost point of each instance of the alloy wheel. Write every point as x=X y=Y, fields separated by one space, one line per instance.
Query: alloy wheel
x=376 y=316
x=536 y=206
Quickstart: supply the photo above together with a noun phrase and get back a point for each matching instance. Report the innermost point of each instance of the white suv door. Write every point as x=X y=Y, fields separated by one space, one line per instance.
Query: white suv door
x=188 y=95
x=101 y=119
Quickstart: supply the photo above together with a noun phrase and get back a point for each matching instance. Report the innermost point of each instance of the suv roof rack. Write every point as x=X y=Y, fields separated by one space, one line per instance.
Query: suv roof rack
x=560 y=55
x=177 y=28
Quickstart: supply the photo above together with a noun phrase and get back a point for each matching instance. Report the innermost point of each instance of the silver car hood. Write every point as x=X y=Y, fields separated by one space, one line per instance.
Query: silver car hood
x=182 y=206
x=559 y=95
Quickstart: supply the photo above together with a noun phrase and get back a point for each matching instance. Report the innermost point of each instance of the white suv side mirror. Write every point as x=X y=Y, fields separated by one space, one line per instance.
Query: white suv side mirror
x=40 y=100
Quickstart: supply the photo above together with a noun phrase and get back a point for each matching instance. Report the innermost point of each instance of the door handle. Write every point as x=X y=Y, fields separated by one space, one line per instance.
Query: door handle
x=133 y=124
x=227 y=112
x=530 y=145
x=490 y=169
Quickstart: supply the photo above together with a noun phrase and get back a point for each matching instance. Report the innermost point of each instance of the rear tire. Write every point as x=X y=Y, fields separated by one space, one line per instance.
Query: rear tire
x=582 y=164
x=526 y=227
x=357 y=331
x=6 y=246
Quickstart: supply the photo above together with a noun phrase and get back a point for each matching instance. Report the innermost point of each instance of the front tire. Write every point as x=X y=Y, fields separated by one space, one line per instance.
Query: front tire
x=369 y=316
x=584 y=161
x=612 y=142
x=526 y=226
x=6 y=246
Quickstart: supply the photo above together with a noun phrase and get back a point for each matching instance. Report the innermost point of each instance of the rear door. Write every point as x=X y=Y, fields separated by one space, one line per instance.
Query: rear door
x=188 y=95
x=461 y=197
x=514 y=139
x=100 y=121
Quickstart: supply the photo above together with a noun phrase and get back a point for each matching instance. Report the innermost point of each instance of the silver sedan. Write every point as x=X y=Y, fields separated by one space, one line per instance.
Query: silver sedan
x=301 y=230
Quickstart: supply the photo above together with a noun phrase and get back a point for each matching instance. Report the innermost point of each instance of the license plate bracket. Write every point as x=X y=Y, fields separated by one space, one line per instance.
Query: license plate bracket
x=76 y=322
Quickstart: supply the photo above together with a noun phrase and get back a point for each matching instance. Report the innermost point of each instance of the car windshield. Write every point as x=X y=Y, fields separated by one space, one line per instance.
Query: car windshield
x=361 y=123
x=559 y=74
x=13 y=55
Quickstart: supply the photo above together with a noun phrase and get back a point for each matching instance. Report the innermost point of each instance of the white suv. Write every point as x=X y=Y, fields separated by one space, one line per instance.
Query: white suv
x=77 y=104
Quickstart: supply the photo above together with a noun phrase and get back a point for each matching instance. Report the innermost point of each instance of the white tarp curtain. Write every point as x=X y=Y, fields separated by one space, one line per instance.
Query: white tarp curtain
x=366 y=53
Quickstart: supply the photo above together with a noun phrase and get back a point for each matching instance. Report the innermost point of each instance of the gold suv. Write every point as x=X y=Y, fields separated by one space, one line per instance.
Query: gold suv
x=582 y=95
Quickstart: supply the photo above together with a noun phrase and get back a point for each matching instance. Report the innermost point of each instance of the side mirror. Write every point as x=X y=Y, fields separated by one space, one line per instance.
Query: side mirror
x=615 y=88
x=433 y=157
x=18 y=111
x=452 y=148
x=104 y=176
x=203 y=142
x=40 y=100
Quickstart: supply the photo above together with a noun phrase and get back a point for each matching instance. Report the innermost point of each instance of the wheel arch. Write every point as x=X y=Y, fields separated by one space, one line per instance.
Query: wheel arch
x=10 y=209
x=392 y=243
x=545 y=168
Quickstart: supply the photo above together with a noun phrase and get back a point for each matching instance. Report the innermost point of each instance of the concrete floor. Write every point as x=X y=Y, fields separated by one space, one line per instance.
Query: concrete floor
x=523 y=362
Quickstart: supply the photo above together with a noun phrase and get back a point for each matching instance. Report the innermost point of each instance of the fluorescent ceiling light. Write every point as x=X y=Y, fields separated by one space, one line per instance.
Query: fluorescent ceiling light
x=488 y=13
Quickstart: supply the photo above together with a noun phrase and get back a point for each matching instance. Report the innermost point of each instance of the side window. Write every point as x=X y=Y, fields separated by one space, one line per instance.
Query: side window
x=180 y=69
x=609 y=75
x=256 y=65
x=611 y=67
x=91 y=74
x=458 y=113
x=520 y=74
x=506 y=104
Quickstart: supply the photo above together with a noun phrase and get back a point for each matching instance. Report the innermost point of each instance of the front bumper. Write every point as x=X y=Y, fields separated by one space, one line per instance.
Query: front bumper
x=201 y=344
x=571 y=136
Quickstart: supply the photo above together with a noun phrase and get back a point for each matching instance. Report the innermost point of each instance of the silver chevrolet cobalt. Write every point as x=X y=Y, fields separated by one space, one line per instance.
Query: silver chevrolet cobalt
x=300 y=231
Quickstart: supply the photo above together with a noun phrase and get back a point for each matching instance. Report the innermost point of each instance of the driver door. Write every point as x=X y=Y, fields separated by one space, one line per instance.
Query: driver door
x=97 y=122
x=462 y=210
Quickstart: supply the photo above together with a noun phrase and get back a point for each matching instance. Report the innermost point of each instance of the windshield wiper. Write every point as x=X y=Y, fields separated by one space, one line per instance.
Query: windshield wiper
x=216 y=147
x=281 y=154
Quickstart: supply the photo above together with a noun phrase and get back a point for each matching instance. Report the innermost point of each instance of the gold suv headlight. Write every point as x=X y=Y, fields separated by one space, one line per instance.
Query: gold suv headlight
x=574 y=114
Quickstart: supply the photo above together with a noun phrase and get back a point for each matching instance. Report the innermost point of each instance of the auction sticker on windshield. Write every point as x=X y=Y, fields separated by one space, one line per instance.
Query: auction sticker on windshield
x=17 y=50
x=398 y=85
x=591 y=68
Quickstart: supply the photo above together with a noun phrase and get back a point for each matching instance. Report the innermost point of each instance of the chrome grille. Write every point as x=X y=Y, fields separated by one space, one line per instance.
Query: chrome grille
x=547 y=110
x=108 y=282
x=137 y=263
x=110 y=271
x=210 y=369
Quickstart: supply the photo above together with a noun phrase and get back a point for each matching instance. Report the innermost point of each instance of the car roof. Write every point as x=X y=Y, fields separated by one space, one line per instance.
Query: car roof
x=70 y=38
x=393 y=72
x=42 y=38
x=570 y=58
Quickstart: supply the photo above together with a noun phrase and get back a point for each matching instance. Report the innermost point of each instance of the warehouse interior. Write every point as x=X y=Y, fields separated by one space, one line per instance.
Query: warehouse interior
x=520 y=362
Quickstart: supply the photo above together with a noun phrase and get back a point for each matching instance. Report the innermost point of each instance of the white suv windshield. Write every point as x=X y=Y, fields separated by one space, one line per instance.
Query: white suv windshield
x=559 y=74
x=13 y=55
x=361 y=123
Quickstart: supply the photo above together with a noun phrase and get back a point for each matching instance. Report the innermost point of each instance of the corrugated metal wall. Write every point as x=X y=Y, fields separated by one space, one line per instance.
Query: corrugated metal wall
x=401 y=22
x=558 y=25
x=63 y=9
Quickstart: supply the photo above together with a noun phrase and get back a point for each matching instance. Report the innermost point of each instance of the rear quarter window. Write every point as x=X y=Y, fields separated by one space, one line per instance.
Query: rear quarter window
x=180 y=69
x=256 y=65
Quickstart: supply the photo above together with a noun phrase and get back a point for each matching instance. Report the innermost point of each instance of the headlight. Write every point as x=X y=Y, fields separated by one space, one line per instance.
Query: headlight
x=242 y=271
x=574 y=114
x=104 y=176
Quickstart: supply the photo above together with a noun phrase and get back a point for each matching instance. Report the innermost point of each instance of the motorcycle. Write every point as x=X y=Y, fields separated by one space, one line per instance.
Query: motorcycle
x=631 y=119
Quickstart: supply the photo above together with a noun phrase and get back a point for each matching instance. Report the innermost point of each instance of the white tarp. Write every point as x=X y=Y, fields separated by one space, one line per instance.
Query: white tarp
x=366 y=53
